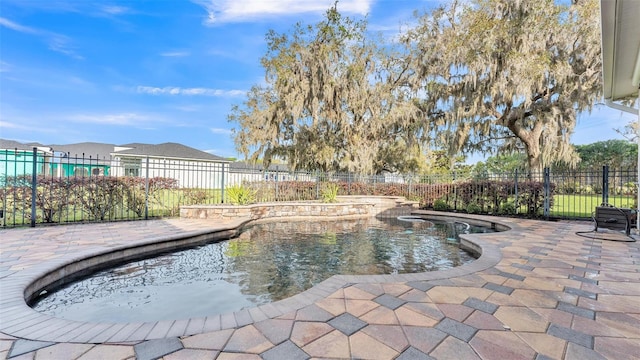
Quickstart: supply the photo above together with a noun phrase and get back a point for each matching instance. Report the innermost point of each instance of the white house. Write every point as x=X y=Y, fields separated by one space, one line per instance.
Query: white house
x=241 y=171
x=192 y=168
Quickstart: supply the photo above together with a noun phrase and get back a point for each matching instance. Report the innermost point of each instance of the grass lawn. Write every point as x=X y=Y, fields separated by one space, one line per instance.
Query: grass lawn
x=581 y=206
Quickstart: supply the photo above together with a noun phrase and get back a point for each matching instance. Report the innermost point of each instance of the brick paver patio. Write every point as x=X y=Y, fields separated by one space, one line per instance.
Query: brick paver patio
x=539 y=291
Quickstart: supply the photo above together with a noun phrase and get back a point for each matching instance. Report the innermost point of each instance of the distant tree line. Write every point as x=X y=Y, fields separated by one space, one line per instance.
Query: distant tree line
x=617 y=154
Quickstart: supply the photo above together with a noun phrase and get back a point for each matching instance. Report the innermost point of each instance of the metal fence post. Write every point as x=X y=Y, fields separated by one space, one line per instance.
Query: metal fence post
x=455 y=192
x=605 y=184
x=146 y=190
x=34 y=186
x=222 y=186
x=547 y=193
x=515 y=179
x=275 y=182
x=317 y=185
x=4 y=180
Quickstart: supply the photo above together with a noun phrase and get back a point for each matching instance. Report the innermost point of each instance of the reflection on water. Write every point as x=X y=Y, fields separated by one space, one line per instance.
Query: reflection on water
x=267 y=262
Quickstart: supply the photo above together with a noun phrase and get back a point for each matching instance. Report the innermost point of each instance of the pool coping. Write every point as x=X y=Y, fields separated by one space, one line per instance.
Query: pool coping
x=20 y=320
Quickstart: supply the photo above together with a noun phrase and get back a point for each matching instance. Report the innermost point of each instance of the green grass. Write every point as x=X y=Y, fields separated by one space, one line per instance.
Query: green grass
x=581 y=206
x=188 y=196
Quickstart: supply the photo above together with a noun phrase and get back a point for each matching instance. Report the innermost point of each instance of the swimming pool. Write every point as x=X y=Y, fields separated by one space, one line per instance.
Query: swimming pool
x=267 y=262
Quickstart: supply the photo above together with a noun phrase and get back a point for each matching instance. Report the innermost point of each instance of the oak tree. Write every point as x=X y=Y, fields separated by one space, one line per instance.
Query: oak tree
x=329 y=102
x=508 y=75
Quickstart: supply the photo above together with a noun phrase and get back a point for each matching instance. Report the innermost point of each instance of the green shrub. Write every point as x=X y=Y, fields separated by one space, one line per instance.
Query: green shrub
x=626 y=189
x=508 y=208
x=414 y=197
x=241 y=195
x=295 y=190
x=99 y=196
x=440 y=205
x=329 y=193
x=474 y=208
x=568 y=187
x=532 y=197
x=592 y=189
x=195 y=196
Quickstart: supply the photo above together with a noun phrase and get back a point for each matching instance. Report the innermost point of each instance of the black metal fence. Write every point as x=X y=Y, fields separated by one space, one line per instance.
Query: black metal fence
x=40 y=187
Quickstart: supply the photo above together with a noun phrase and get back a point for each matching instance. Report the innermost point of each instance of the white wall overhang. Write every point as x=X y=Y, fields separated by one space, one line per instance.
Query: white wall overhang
x=620 y=21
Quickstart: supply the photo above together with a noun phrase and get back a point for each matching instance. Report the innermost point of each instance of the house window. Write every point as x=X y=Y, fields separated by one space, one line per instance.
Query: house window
x=80 y=172
x=97 y=171
x=131 y=167
x=129 y=171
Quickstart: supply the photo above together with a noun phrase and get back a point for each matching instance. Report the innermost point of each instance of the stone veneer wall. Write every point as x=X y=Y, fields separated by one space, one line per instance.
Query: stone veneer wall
x=384 y=206
x=348 y=206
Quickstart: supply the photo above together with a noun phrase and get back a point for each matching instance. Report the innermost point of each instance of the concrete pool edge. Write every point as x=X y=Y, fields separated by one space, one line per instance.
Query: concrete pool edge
x=18 y=318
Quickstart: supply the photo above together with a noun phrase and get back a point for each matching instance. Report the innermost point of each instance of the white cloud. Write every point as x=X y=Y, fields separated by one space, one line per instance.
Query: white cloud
x=167 y=90
x=62 y=44
x=19 y=126
x=78 y=81
x=11 y=125
x=49 y=6
x=17 y=27
x=58 y=43
x=246 y=10
x=220 y=131
x=123 y=119
x=115 y=10
x=4 y=66
x=175 y=53
x=90 y=8
x=188 y=108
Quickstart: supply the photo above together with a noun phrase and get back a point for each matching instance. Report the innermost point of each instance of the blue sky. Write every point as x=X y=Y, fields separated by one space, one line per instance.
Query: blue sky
x=154 y=71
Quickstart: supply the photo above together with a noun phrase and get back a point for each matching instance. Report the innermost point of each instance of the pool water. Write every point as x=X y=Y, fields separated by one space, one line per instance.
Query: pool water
x=267 y=262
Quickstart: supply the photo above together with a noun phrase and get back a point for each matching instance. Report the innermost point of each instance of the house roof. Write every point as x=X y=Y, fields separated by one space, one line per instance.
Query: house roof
x=133 y=145
x=243 y=165
x=620 y=48
x=86 y=150
x=10 y=144
x=169 y=150
x=6 y=144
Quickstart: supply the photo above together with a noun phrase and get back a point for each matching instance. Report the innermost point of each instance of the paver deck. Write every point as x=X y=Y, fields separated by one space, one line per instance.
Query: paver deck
x=539 y=291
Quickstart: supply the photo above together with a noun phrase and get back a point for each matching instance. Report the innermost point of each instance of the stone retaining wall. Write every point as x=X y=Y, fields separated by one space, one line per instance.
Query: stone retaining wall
x=384 y=206
x=348 y=206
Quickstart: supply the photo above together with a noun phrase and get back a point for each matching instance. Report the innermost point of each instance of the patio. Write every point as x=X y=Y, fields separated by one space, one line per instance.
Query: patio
x=539 y=291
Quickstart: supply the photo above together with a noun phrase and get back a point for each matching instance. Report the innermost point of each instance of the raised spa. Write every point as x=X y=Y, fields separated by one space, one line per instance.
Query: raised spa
x=267 y=262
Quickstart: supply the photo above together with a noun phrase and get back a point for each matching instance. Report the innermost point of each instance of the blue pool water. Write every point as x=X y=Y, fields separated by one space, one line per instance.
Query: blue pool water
x=267 y=262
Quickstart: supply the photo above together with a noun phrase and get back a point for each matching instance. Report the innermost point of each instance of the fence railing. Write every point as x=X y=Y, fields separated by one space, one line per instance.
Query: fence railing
x=53 y=188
